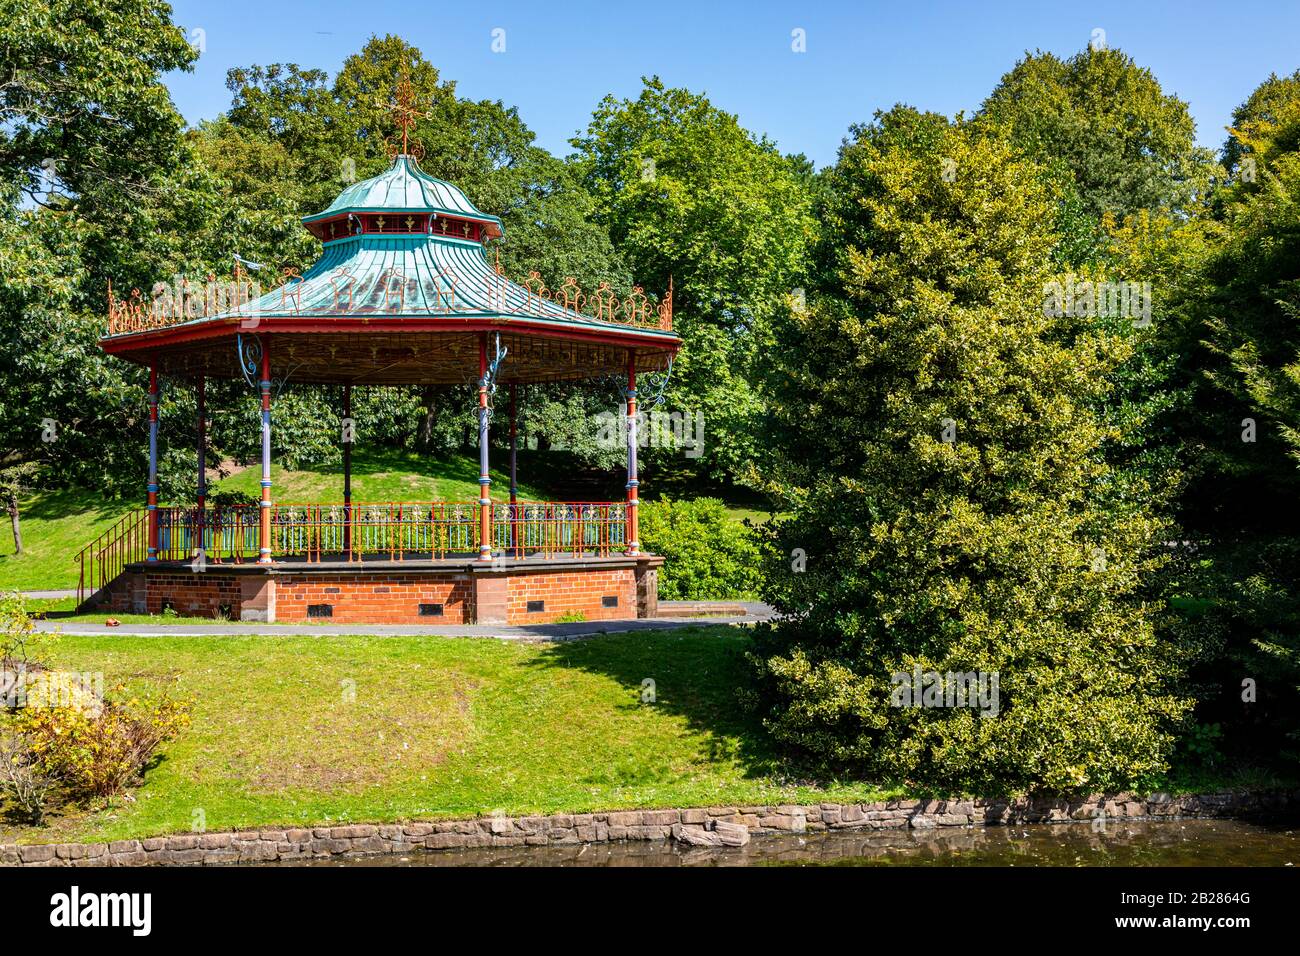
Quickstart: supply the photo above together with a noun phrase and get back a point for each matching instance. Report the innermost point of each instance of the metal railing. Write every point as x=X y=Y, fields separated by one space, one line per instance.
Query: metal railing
x=393 y=531
x=550 y=528
x=104 y=558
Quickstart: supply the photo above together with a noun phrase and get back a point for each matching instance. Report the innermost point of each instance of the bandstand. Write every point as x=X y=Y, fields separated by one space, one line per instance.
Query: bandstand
x=404 y=293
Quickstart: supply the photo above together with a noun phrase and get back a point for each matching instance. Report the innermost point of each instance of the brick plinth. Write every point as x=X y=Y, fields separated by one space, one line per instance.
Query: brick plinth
x=568 y=594
x=507 y=592
x=380 y=597
x=188 y=593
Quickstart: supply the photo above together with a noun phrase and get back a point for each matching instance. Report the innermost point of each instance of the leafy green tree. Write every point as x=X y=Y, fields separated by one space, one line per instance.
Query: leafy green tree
x=1129 y=145
x=1134 y=192
x=942 y=458
x=1241 y=335
x=96 y=186
x=16 y=481
x=1264 y=127
x=84 y=112
x=689 y=196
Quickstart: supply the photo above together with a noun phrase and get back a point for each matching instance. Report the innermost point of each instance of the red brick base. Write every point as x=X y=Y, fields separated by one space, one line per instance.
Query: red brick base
x=542 y=597
x=378 y=598
x=433 y=593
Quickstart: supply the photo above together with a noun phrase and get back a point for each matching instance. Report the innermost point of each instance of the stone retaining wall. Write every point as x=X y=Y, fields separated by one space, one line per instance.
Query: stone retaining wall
x=711 y=826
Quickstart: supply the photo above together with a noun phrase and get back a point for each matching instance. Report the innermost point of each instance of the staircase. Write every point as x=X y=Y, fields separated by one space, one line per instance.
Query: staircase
x=107 y=556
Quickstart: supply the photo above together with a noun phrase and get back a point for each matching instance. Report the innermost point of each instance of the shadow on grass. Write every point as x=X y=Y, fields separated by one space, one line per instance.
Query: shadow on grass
x=696 y=674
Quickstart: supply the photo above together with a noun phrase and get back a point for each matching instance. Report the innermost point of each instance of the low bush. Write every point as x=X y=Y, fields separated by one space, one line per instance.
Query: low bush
x=61 y=738
x=707 y=555
x=22 y=780
x=97 y=753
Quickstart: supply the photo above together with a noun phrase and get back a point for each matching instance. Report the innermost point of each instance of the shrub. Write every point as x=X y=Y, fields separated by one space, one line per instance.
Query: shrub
x=706 y=554
x=97 y=754
x=19 y=639
x=941 y=455
x=22 y=780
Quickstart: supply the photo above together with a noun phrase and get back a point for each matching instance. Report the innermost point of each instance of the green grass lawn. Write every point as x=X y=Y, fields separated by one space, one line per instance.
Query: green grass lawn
x=381 y=475
x=55 y=527
x=437 y=727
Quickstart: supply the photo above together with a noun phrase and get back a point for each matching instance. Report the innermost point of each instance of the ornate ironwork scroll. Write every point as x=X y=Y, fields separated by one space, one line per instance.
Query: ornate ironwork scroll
x=656 y=385
x=249 y=353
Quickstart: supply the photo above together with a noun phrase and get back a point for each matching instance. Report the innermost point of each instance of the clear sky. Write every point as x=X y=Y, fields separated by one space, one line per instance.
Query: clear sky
x=561 y=57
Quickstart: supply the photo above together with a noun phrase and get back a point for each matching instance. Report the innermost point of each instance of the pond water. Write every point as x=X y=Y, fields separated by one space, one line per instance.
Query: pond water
x=1172 y=843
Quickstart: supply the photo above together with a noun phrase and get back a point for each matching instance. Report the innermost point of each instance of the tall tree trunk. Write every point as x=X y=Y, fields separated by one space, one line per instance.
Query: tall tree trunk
x=426 y=425
x=18 y=532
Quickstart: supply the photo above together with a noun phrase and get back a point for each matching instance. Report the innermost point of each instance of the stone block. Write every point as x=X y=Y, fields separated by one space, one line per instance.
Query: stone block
x=731 y=834
x=694 y=835
x=660 y=817
x=36 y=854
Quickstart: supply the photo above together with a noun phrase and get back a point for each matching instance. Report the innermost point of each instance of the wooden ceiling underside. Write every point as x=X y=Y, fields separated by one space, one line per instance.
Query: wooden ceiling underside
x=434 y=358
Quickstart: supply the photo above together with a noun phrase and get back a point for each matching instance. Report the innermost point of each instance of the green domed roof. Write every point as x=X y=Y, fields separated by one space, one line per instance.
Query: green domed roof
x=405 y=187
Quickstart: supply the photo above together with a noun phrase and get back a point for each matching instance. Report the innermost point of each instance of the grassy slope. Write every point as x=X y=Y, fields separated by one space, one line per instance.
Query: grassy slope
x=439 y=727
x=55 y=527
x=58 y=525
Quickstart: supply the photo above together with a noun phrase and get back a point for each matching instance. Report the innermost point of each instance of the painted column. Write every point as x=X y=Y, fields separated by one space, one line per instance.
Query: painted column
x=264 y=532
x=201 y=498
x=633 y=545
x=514 y=450
x=152 y=490
x=484 y=476
x=348 y=436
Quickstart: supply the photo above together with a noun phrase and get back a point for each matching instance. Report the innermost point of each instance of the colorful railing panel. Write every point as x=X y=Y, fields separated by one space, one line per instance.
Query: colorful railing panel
x=393 y=531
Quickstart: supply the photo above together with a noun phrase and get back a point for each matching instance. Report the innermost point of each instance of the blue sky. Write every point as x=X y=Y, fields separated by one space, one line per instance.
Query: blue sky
x=560 y=57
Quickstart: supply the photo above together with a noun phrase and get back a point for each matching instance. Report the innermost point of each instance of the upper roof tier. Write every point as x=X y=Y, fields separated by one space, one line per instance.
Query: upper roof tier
x=403 y=293
x=404 y=187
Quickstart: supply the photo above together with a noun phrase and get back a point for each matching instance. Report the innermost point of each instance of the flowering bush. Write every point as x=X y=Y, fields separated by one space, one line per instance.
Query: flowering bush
x=97 y=753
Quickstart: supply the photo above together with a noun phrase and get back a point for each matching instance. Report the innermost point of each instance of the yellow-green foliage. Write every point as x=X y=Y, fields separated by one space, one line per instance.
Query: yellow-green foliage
x=98 y=751
x=945 y=463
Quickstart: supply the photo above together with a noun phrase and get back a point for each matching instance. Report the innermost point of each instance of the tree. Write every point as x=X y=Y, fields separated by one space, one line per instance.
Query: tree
x=1241 y=336
x=81 y=100
x=689 y=196
x=1134 y=193
x=941 y=459
x=1264 y=127
x=16 y=481
x=94 y=187
x=1128 y=145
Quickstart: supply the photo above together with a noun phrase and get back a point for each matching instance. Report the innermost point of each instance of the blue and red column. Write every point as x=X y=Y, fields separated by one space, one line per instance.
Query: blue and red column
x=153 y=463
x=264 y=532
x=633 y=545
x=484 y=475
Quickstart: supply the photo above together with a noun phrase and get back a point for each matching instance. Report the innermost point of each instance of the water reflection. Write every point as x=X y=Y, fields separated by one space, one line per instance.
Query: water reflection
x=1173 y=843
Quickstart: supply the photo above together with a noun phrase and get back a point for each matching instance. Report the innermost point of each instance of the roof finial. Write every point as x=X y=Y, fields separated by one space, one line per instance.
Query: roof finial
x=402 y=108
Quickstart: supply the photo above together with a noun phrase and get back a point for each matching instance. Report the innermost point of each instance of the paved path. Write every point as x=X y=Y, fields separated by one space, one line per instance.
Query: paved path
x=753 y=612
x=54 y=595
